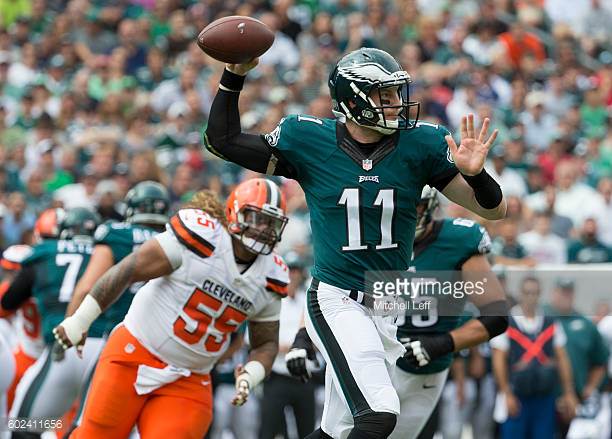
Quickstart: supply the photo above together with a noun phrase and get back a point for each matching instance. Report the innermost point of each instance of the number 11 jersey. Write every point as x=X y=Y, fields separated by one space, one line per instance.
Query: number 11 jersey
x=362 y=206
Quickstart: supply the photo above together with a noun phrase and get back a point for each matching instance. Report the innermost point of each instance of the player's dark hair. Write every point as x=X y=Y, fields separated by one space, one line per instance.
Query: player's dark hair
x=207 y=201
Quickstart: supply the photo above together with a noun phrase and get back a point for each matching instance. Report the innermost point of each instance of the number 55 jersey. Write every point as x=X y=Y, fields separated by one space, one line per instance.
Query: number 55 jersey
x=185 y=318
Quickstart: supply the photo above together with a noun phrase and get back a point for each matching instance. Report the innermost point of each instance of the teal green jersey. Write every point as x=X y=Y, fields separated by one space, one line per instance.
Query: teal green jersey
x=451 y=243
x=585 y=345
x=362 y=208
x=122 y=239
x=57 y=264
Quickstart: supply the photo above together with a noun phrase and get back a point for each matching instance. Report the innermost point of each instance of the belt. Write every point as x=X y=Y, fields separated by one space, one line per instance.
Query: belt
x=362 y=298
x=358 y=296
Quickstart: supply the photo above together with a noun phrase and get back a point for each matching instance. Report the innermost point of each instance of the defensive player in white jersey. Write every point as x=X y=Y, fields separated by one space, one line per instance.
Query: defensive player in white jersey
x=207 y=273
x=30 y=344
x=26 y=320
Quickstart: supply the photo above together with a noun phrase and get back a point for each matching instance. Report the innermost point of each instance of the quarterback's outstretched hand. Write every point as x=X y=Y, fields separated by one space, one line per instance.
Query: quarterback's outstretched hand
x=242 y=69
x=471 y=155
x=301 y=349
x=423 y=349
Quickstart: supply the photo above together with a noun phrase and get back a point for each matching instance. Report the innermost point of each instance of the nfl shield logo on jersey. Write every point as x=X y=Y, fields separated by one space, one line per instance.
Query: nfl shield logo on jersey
x=366 y=164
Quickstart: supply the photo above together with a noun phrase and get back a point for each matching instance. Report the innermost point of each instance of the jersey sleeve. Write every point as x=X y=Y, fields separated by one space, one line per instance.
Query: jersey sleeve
x=473 y=236
x=286 y=143
x=39 y=252
x=171 y=247
x=109 y=234
x=270 y=313
x=196 y=230
x=441 y=165
x=277 y=278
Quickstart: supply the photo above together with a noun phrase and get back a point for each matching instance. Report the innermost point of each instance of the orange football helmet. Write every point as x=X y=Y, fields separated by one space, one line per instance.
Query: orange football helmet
x=47 y=224
x=255 y=214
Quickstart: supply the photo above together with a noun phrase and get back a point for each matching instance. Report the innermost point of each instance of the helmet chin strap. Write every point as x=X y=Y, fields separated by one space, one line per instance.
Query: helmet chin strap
x=380 y=129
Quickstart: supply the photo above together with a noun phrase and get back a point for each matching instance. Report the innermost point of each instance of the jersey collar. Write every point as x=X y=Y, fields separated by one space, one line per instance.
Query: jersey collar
x=351 y=148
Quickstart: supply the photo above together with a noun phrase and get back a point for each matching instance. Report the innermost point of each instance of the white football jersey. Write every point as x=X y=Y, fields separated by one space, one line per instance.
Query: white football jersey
x=186 y=318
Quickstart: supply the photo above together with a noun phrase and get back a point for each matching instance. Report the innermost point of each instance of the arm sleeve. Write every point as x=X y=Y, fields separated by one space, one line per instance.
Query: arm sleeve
x=171 y=247
x=20 y=289
x=270 y=313
x=225 y=139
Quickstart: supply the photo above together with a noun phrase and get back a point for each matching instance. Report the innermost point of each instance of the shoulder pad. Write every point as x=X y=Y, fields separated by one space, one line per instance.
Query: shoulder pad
x=273 y=137
x=472 y=234
x=101 y=232
x=41 y=250
x=17 y=253
x=196 y=230
x=277 y=276
x=112 y=232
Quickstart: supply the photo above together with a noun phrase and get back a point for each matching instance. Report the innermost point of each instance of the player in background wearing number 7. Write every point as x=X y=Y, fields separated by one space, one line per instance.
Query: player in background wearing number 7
x=206 y=274
x=362 y=175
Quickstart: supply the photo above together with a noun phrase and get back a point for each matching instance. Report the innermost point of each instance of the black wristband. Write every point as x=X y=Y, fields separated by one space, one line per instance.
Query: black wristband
x=302 y=340
x=494 y=317
x=447 y=343
x=232 y=81
x=438 y=345
x=486 y=189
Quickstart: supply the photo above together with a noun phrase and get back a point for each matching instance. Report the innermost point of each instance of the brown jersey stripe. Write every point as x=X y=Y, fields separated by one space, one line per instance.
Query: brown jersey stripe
x=276 y=286
x=189 y=239
x=276 y=282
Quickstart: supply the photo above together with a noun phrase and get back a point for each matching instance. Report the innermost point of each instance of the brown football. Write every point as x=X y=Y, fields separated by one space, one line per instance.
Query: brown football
x=235 y=39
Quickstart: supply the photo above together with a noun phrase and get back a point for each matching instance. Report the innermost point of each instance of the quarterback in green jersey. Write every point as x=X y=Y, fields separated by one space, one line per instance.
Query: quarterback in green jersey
x=362 y=174
x=49 y=274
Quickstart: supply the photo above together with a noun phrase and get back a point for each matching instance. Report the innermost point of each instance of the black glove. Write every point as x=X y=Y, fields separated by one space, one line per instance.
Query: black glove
x=301 y=349
x=423 y=349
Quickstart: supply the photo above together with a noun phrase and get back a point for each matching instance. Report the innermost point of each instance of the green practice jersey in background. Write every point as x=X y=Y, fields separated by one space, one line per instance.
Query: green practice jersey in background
x=362 y=208
x=122 y=239
x=451 y=243
x=58 y=264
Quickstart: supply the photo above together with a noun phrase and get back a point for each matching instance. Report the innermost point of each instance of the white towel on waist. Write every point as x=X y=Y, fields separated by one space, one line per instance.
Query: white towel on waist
x=152 y=378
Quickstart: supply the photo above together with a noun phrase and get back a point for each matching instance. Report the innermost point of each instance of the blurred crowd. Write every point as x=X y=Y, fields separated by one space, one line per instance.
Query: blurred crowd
x=97 y=95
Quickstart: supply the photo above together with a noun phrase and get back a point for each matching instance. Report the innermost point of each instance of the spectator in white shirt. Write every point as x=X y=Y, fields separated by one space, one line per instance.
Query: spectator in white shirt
x=175 y=90
x=543 y=245
x=284 y=52
x=511 y=182
x=82 y=194
x=574 y=199
x=605 y=221
x=540 y=126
